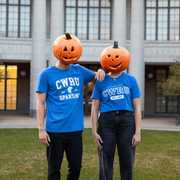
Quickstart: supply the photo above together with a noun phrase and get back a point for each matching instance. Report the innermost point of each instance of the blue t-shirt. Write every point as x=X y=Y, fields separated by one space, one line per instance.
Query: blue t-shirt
x=116 y=93
x=64 y=101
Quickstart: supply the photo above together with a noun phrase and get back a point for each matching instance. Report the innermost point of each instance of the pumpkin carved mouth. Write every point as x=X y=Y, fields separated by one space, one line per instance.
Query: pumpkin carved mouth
x=69 y=58
x=117 y=65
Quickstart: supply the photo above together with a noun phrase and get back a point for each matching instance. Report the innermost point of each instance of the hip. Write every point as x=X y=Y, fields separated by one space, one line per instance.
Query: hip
x=117 y=118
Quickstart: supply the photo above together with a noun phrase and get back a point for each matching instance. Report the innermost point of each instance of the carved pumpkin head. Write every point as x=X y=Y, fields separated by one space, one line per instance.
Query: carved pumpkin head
x=115 y=59
x=67 y=48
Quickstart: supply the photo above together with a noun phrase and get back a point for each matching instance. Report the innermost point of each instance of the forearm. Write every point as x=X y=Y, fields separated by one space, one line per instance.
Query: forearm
x=94 y=117
x=138 y=118
x=40 y=115
x=94 y=121
x=137 y=113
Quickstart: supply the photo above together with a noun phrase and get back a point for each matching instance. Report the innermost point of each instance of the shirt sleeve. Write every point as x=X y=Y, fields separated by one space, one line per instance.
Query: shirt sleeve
x=42 y=83
x=96 y=94
x=87 y=74
x=135 y=89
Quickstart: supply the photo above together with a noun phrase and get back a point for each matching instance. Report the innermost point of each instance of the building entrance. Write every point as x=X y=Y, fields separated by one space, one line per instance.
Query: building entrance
x=14 y=87
x=155 y=102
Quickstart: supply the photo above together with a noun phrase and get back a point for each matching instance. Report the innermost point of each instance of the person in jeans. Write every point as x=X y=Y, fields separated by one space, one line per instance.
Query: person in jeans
x=60 y=107
x=117 y=98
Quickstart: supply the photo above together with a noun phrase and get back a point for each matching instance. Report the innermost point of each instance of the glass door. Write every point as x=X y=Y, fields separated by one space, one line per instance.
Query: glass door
x=164 y=104
x=8 y=87
x=2 y=87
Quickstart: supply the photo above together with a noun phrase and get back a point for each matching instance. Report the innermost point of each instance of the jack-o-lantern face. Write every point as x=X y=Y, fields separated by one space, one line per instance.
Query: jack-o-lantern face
x=67 y=48
x=115 y=59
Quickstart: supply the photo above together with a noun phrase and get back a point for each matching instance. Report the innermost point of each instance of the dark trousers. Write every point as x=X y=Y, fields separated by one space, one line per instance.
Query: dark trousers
x=71 y=144
x=117 y=128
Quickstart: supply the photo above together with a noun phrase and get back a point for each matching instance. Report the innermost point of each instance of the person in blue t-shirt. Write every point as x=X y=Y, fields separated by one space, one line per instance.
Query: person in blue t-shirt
x=60 y=107
x=117 y=98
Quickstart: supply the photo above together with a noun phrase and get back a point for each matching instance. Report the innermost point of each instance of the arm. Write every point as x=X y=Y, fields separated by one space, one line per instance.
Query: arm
x=43 y=136
x=94 y=117
x=89 y=75
x=40 y=110
x=137 y=110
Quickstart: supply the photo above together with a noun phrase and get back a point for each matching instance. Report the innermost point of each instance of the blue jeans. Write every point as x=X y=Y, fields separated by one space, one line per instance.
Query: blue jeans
x=117 y=128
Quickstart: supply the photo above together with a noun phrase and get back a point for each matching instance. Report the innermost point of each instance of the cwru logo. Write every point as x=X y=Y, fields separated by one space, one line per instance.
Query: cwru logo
x=116 y=91
x=67 y=82
x=69 y=88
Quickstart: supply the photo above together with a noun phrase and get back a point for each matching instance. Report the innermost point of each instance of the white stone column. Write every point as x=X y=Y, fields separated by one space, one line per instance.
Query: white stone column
x=137 y=65
x=38 y=47
x=57 y=22
x=119 y=22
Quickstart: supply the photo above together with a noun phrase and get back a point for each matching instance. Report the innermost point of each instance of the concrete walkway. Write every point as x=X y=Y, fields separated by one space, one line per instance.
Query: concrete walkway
x=166 y=124
x=17 y=121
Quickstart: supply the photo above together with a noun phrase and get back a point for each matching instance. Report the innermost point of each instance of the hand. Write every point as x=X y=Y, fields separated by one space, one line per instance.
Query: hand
x=100 y=74
x=136 y=139
x=44 y=137
x=98 y=139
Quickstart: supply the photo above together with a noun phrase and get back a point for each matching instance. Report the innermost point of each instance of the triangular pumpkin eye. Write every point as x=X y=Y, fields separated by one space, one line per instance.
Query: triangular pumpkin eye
x=72 y=49
x=109 y=55
x=117 y=56
x=65 y=49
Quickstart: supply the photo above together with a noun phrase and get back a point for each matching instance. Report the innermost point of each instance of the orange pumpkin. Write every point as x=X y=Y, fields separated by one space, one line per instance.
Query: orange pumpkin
x=67 y=48
x=115 y=59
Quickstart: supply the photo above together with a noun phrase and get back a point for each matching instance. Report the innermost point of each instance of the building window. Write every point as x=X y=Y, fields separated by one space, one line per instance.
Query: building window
x=162 y=20
x=88 y=19
x=15 y=18
x=8 y=87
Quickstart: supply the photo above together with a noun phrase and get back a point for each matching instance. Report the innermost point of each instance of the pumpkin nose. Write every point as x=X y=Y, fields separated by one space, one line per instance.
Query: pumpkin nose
x=72 y=49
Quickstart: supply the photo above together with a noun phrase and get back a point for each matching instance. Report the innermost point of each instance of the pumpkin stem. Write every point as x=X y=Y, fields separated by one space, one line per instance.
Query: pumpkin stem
x=68 y=36
x=115 y=44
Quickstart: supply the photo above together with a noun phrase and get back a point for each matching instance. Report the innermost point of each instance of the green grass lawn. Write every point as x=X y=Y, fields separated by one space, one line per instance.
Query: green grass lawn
x=23 y=158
